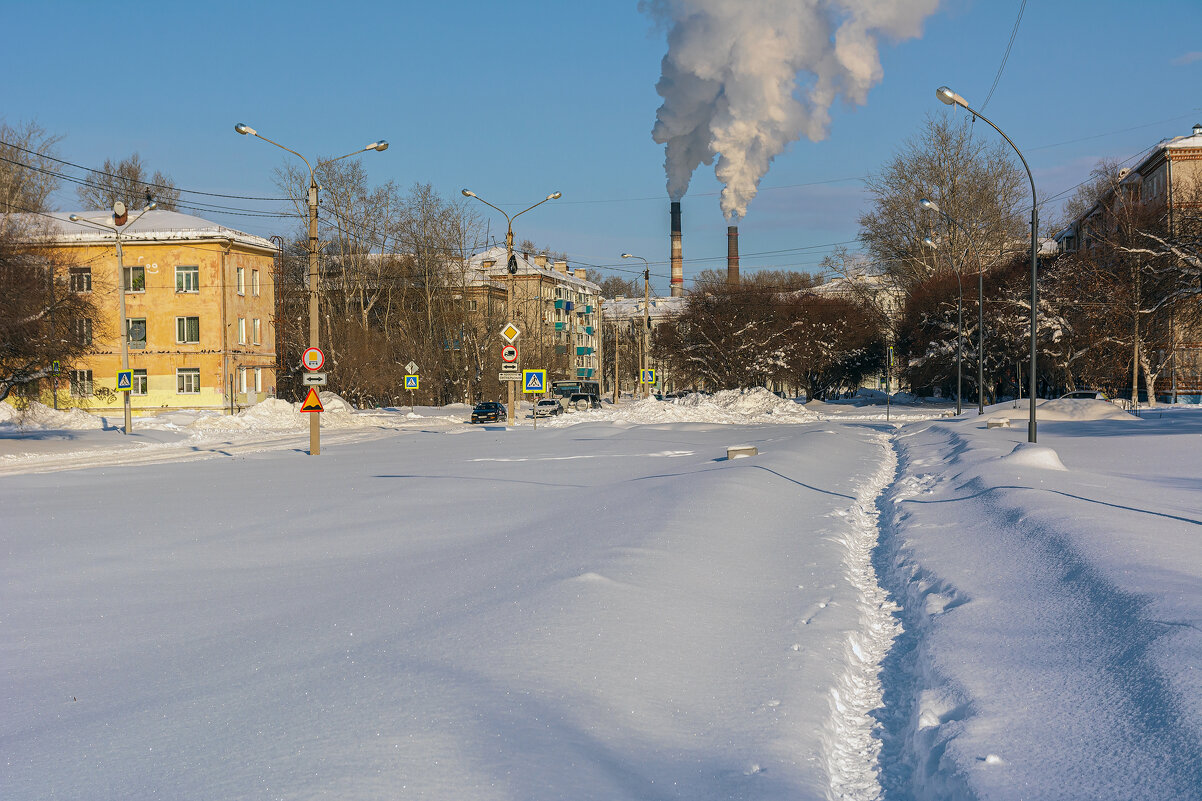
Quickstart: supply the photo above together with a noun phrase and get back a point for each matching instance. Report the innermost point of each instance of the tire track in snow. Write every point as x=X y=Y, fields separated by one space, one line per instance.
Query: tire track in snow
x=851 y=743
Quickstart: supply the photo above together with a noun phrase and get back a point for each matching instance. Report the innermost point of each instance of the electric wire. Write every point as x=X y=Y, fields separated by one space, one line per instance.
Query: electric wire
x=1005 y=56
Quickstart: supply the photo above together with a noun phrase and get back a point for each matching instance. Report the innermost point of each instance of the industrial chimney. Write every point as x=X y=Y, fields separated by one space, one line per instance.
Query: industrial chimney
x=732 y=254
x=677 y=259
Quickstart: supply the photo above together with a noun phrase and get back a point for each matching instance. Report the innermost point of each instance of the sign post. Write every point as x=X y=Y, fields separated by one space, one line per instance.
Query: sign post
x=313 y=359
x=510 y=333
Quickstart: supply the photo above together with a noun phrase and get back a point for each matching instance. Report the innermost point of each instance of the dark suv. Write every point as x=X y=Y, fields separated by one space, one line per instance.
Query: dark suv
x=488 y=412
x=582 y=401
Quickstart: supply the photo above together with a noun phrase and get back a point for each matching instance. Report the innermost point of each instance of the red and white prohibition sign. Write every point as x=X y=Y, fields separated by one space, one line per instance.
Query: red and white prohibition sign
x=509 y=353
x=313 y=359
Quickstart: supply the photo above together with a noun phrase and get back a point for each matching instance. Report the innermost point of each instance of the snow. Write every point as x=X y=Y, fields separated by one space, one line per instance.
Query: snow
x=603 y=606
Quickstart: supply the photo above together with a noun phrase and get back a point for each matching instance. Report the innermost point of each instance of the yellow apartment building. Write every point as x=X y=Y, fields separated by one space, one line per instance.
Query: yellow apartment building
x=199 y=304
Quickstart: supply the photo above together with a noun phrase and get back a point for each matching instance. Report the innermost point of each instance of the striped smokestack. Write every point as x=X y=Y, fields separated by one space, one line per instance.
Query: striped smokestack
x=732 y=254
x=677 y=259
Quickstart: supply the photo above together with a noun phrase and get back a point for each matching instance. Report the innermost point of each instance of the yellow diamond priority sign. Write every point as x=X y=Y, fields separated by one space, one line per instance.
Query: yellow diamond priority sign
x=510 y=332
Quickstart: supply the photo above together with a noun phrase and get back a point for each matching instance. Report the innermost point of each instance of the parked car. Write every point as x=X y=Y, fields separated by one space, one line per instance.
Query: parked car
x=488 y=412
x=582 y=402
x=1085 y=394
x=547 y=407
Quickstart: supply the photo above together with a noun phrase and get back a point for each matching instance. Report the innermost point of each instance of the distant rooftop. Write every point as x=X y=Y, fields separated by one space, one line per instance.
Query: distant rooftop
x=153 y=226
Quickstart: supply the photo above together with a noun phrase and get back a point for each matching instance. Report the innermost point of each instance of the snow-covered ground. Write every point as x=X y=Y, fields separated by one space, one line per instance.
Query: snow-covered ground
x=605 y=606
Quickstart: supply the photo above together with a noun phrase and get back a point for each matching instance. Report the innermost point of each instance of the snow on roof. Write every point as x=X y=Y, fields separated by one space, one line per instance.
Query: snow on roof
x=628 y=308
x=526 y=266
x=153 y=226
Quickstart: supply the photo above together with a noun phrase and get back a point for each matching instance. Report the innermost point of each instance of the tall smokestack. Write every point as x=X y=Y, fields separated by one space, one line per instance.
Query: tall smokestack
x=677 y=259
x=732 y=254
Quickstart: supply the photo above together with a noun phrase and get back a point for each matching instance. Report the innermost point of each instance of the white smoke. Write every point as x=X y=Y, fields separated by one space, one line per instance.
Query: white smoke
x=730 y=79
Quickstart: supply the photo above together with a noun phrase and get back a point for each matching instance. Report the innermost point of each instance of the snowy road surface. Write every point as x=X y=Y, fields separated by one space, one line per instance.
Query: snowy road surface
x=604 y=608
x=585 y=612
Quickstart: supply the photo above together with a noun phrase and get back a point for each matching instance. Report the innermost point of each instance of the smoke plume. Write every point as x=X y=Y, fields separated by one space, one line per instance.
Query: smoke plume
x=744 y=78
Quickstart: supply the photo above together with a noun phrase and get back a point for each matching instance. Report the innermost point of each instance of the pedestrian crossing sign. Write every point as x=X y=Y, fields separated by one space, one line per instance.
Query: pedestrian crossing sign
x=647 y=376
x=410 y=382
x=534 y=381
x=125 y=380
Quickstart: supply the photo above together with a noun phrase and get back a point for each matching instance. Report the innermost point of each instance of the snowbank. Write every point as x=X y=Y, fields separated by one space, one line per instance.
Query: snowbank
x=731 y=406
x=39 y=416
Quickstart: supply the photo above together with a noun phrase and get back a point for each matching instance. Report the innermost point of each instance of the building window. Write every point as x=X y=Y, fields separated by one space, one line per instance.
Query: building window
x=83 y=330
x=135 y=279
x=81 y=383
x=254 y=283
x=187 y=330
x=258 y=330
x=241 y=330
x=187 y=278
x=241 y=280
x=258 y=379
x=242 y=380
x=187 y=380
x=472 y=305
x=135 y=332
x=81 y=279
x=139 y=387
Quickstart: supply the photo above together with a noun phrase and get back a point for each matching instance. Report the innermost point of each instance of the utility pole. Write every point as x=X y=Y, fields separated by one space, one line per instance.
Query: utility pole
x=617 y=339
x=120 y=223
x=511 y=266
x=314 y=277
x=646 y=326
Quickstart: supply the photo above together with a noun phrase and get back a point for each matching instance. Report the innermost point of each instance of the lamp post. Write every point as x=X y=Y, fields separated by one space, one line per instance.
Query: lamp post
x=949 y=97
x=120 y=224
x=933 y=206
x=381 y=145
x=512 y=266
x=959 y=325
x=646 y=318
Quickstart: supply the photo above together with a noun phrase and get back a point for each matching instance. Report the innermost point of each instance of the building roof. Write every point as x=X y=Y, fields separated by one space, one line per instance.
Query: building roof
x=526 y=266
x=630 y=308
x=153 y=226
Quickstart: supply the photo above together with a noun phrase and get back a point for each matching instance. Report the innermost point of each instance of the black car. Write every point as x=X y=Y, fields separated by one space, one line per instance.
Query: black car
x=488 y=412
x=583 y=401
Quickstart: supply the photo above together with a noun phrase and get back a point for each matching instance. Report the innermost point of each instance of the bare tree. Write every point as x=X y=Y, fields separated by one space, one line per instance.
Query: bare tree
x=128 y=181
x=27 y=168
x=43 y=318
x=974 y=182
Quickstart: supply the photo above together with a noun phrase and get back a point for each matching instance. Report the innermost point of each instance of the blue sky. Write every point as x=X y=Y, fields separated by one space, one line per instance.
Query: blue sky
x=515 y=100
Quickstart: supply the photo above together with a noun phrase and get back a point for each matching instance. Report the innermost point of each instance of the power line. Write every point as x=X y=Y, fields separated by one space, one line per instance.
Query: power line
x=1006 y=56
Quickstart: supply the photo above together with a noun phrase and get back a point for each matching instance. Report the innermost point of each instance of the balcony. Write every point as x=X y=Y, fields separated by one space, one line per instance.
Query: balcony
x=583 y=351
x=584 y=372
x=588 y=329
x=560 y=324
x=559 y=304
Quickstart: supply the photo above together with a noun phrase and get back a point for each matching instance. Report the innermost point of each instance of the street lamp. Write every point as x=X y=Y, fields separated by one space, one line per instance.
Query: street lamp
x=931 y=205
x=646 y=317
x=512 y=266
x=381 y=145
x=949 y=97
x=959 y=324
x=118 y=228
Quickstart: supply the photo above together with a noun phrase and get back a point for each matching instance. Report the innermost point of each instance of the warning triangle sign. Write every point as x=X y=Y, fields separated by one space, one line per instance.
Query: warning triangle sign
x=312 y=402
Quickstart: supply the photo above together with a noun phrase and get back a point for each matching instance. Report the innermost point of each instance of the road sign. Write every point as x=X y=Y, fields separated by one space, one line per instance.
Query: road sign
x=534 y=381
x=646 y=376
x=56 y=367
x=312 y=402
x=125 y=380
x=411 y=367
x=314 y=379
x=313 y=359
x=510 y=367
x=509 y=353
x=410 y=382
x=510 y=332
x=514 y=376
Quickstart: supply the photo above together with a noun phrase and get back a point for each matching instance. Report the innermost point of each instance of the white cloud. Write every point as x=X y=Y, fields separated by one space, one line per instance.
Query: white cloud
x=1187 y=58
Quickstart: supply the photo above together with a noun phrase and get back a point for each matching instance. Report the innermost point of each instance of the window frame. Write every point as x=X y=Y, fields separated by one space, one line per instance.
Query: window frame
x=140 y=383
x=183 y=271
x=241 y=330
x=188 y=373
x=183 y=321
x=254 y=283
x=84 y=274
x=129 y=278
x=240 y=272
x=76 y=380
x=257 y=331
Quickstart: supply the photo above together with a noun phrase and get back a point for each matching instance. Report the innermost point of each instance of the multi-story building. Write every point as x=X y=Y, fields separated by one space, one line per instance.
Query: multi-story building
x=556 y=309
x=199 y=301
